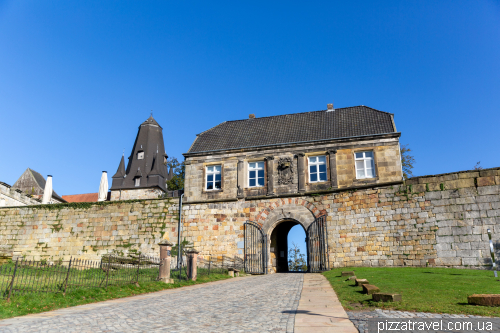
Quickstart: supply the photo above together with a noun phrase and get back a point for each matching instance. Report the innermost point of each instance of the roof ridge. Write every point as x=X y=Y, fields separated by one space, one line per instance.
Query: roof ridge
x=292 y=114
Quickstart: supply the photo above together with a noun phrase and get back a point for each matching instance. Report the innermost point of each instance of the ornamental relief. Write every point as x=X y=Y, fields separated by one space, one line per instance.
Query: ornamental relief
x=285 y=170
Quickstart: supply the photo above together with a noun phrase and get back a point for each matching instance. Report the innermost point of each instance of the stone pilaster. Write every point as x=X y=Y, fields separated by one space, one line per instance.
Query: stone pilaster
x=165 y=258
x=333 y=168
x=301 y=171
x=270 y=175
x=241 y=179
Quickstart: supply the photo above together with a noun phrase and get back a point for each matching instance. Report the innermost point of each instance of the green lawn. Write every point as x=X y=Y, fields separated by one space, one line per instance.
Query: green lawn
x=41 y=302
x=439 y=290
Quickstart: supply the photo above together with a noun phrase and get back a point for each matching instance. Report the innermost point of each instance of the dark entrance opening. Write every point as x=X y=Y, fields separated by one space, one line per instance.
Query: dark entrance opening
x=280 y=246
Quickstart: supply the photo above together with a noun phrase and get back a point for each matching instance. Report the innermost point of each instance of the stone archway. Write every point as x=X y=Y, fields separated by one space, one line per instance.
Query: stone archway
x=277 y=220
x=279 y=246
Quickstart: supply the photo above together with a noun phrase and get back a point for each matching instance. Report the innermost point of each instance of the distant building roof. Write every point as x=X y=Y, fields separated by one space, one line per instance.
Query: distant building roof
x=87 y=197
x=293 y=128
x=33 y=183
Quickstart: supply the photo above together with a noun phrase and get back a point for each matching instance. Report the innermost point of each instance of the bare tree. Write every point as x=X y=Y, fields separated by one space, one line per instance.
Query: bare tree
x=478 y=166
x=407 y=161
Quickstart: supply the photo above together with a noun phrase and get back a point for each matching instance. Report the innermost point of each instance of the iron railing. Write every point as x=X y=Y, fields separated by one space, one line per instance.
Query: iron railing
x=24 y=276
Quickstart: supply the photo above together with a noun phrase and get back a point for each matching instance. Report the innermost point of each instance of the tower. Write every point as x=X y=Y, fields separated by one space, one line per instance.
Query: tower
x=146 y=172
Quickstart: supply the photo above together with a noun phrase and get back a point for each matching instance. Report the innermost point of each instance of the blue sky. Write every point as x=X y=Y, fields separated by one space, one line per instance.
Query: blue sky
x=78 y=77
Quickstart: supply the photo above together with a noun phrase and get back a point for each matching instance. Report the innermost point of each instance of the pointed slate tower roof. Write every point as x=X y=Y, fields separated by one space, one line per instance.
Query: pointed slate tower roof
x=146 y=160
x=120 y=173
x=157 y=166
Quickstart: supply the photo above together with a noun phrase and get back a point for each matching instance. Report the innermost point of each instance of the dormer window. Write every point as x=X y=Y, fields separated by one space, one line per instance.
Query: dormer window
x=137 y=181
x=140 y=155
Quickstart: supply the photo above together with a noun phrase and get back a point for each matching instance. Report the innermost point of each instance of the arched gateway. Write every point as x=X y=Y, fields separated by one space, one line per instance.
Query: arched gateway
x=266 y=244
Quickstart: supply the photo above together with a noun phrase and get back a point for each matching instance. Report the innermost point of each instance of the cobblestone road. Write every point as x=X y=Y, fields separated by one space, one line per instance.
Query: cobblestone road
x=251 y=304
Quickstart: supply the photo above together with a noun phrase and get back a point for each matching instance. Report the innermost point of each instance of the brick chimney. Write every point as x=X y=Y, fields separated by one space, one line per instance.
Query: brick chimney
x=330 y=107
x=251 y=116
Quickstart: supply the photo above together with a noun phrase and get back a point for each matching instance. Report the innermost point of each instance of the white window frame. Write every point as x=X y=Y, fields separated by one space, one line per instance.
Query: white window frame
x=214 y=173
x=317 y=164
x=368 y=163
x=137 y=181
x=257 y=168
x=140 y=155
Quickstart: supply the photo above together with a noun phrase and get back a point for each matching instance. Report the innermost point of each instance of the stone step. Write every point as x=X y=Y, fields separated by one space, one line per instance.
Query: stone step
x=360 y=282
x=484 y=299
x=386 y=297
x=370 y=289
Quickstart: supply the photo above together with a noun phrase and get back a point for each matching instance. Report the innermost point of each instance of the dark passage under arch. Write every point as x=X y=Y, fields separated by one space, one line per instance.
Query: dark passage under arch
x=279 y=246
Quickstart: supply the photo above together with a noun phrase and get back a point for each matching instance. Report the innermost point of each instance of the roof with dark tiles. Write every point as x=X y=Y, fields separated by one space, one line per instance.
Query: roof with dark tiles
x=292 y=128
x=39 y=180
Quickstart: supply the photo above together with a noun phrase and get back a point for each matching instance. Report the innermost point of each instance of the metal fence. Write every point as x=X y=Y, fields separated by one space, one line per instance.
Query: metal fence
x=22 y=276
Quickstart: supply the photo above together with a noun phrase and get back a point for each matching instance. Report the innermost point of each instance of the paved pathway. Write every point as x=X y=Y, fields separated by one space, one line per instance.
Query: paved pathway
x=250 y=304
x=319 y=308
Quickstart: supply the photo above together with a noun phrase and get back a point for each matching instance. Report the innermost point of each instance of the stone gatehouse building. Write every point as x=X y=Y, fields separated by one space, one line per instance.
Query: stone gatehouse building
x=292 y=156
x=336 y=172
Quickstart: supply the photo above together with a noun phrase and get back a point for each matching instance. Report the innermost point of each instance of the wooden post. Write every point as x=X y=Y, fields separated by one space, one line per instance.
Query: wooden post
x=67 y=276
x=165 y=258
x=192 y=257
x=12 y=282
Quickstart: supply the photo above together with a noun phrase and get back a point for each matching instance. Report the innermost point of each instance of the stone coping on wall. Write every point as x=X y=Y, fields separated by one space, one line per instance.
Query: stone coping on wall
x=86 y=204
x=482 y=173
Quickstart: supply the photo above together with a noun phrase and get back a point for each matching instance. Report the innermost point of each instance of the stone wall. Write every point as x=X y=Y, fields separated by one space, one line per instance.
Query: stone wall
x=432 y=220
x=10 y=197
x=134 y=194
x=88 y=230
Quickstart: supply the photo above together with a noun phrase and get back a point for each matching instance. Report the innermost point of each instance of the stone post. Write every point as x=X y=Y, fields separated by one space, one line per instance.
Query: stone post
x=333 y=168
x=301 y=171
x=270 y=175
x=192 y=258
x=241 y=179
x=165 y=258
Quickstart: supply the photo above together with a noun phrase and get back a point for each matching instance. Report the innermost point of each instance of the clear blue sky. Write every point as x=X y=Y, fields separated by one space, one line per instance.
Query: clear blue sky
x=78 y=77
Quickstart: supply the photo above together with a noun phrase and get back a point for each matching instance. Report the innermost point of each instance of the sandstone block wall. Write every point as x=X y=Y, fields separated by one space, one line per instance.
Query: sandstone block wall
x=87 y=230
x=134 y=194
x=437 y=220
x=10 y=197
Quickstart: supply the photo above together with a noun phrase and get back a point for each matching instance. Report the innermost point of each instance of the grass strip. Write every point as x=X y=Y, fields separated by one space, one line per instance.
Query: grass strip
x=41 y=302
x=437 y=290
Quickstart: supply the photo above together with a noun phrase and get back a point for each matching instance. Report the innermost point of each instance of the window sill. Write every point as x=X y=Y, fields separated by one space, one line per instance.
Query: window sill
x=366 y=179
x=320 y=182
x=213 y=191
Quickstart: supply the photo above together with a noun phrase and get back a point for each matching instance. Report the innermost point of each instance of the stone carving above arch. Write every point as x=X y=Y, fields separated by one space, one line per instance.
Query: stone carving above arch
x=296 y=209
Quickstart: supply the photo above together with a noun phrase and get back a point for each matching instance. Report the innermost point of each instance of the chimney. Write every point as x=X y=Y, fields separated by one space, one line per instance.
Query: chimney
x=47 y=191
x=330 y=107
x=251 y=116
